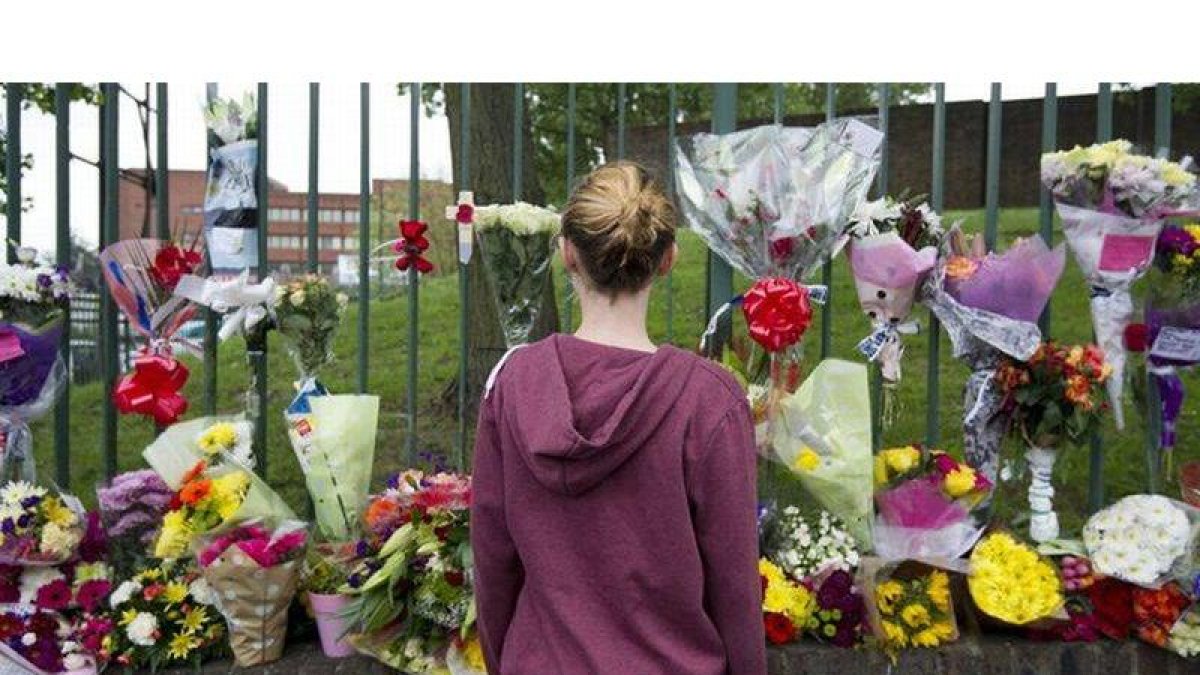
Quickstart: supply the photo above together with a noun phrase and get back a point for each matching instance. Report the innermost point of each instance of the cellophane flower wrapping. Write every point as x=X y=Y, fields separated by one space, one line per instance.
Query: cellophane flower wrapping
x=1010 y=582
x=337 y=460
x=909 y=604
x=989 y=304
x=33 y=300
x=230 y=200
x=410 y=607
x=141 y=275
x=1184 y=638
x=516 y=247
x=253 y=571
x=1144 y=539
x=807 y=545
x=822 y=433
x=38 y=525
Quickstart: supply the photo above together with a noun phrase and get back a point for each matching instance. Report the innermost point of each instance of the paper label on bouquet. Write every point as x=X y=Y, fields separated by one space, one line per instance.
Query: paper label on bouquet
x=1177 y=344
x=874 y=343
x=227 y=240
x=1125 y=252
x=302 y=439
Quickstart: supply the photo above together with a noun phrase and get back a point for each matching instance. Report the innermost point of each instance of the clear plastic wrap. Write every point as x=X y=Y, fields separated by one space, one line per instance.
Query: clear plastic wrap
x=1146 y=540
x=337 y=460
x=516 y=247
x=230 y=200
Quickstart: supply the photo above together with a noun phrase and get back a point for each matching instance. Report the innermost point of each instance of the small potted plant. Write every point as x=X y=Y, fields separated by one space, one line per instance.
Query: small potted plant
x=325 y=572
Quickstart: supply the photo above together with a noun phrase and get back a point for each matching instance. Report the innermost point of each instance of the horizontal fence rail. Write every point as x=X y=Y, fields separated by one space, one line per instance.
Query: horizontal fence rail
x=97 y=343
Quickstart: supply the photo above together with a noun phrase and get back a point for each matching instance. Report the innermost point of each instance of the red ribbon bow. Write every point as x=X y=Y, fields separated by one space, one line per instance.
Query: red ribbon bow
x=412 y=244
x=171 y=263
x=153 y=389
x=777 y=311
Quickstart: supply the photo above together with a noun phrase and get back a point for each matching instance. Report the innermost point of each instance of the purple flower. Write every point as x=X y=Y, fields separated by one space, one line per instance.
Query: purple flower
x=362 y=549
x=1176 y=240
x=44 y=281
x=94 y=546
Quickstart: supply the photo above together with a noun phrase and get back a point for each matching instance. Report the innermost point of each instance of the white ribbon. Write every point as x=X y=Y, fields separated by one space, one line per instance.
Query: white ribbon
x=244 y=304
x=872 y=345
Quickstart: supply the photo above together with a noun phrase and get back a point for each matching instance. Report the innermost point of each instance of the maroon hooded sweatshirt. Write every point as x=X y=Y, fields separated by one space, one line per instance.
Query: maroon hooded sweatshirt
x=614 y=515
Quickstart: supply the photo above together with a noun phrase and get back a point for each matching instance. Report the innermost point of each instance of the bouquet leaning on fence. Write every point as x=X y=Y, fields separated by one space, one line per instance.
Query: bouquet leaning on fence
x=516 y=247
x=142 y=275
x=893 y=246
x=989 y=304
x=33 y=302
x=230 y=201
x=1112 y=204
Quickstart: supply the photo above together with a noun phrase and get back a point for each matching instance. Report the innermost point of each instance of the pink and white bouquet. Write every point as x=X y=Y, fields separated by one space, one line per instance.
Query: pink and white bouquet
x=893 y=246
x=1112 y=203
x=253 y=572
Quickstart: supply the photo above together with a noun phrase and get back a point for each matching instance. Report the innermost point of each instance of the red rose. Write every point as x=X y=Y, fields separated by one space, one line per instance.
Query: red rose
x=1137 y=337
x=1112 y=600
x=780 y=629
x=171 y=263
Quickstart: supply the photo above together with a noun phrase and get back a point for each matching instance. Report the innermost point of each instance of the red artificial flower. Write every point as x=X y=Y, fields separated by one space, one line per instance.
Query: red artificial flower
x=777 y=311
x=412 y=246
x=465 y=214
x=171 y=263
x=1112 y=602
x=780 y=629
x=54 y=596
x=1137 y=337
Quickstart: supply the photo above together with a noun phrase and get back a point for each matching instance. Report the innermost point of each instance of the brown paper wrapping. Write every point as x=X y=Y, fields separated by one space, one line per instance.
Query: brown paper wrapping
x=873 y=571
x=254 y=601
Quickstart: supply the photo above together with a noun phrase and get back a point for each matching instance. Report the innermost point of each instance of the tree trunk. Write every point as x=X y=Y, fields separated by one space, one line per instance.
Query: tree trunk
x=491 y=179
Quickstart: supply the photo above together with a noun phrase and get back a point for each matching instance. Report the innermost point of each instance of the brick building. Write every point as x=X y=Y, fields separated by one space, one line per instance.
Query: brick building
x=287 y=216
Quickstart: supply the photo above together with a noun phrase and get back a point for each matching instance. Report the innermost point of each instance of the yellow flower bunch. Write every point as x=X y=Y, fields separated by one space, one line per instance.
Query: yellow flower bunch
x=807 y=460
x=221 y=436
x=205 y=504
x=784 y=596
x=894 y=462
x=1009 y=581
x=915 y=612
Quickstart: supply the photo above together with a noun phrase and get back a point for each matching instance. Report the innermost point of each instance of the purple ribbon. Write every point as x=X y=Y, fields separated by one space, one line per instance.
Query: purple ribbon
x=1170 y=393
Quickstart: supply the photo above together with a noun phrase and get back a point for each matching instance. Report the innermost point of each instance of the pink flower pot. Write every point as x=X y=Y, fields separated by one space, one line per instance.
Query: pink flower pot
x=331 y=626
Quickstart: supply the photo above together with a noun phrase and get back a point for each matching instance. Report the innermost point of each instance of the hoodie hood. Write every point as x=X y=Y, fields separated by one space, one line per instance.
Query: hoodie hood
x=578 y=410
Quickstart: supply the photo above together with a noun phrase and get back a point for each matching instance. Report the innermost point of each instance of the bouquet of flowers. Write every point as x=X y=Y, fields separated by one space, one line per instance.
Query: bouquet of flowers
x=1156 y=611
x=1171 y=333
x=309 y=311
x=1184 y=638
x=839 y=617
x=893 y=245
x=910 y=606
x=132 y=506
x=787 y=604
x=38 y=527
x=336 y=455
x=924 y=500
x=822 y=432
x=806 y=546
x=324 y=573
x=41 y=642
x=253 y=572
x=1141 y=538
x=1112 y=203
x=142 y=275
x=515 y=243
x=230 y=202
x=161 y=617
x=773 y=204
x=33 y=301
x=413 y=595
x=1010 y=582
x=989 y=304
x=1052 y=398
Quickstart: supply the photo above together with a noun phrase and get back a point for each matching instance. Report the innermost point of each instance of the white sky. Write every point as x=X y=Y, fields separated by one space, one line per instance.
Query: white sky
x=288 y=142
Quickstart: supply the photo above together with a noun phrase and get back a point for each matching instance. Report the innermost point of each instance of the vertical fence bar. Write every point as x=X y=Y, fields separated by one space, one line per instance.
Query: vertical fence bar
x=1104 y=112
x=881 y=187
x=936 y=198
x=827 y=268
x=314 y=138
x=210 y=317
x=13 y=94
x=62 y=257
x=414 y=277
x=162 y=197
x=672 y=104
x=258 y=357
x=568 y=291
x=364 y=233
x=464 y=288
x=1162 y=148
x=992 y=181
x=518 y=151
x=777 y=102
x=622 y=91
x=109 y=213
x=1045 y=203
x=720 y=274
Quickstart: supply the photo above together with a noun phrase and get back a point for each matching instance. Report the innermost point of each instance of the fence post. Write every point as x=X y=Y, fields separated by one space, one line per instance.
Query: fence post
x=881 y=187
x=414 y=278
x=13 y=93
x=827 y=268
x=258 y=358
x=162 y=197
x=364 y=234
x=720 y=274
x=1162 y=148
x=314 y=139
x=568 y=294
x=621 y=93
x=210 y=317
x=62 y=257
x=992 y=192
x=1046 y=203
x=672 y=104
x=1104 y=112
x=109 y=214
x=936 y=199
x=464 y=288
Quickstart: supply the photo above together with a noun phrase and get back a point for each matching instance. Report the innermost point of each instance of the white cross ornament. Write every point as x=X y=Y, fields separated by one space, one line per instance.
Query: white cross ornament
x=465 y=239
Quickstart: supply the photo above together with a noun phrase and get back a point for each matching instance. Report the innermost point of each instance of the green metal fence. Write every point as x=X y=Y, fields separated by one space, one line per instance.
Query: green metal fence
x=719 y=279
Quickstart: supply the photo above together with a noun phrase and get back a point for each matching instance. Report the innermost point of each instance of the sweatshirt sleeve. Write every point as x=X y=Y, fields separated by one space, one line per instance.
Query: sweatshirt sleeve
x=723 y=488
x=498 y=571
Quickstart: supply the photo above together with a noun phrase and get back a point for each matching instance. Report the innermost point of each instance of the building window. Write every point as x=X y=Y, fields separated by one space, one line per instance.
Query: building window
x=350 y=215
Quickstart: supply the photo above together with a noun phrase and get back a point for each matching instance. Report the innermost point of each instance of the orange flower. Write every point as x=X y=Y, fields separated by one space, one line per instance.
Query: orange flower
x=960 y=267
x=194 y=491
x=194 y=472
x=381 y=510
x=1079 y=390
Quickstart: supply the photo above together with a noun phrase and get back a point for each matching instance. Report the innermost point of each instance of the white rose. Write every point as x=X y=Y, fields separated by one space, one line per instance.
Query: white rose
x=141 y=630
x=123 y=593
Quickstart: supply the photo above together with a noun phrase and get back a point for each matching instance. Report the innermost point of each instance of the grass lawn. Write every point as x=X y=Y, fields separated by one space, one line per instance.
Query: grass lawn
x=1124 y=452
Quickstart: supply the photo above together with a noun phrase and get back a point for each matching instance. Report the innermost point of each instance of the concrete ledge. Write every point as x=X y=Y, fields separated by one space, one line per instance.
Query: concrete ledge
x=988 y=655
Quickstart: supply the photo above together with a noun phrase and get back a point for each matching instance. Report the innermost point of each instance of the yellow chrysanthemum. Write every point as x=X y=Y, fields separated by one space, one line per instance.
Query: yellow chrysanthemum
x=915 y=615
x=926 y=638
x=893 y=634
x=784 y=596
x=175 y=593
x=1176 y=176
x=174 y=536
x=807 y=460
x=56 y=512
x=1181 y=262
x=218 y=437
x=939 y=591
x=194 y=620
x=901 y=460
x=1009 y=581
x=960 y=482
x=1194 y=230
x=228 y=492
x=886 y=595
x=128 y=616
x=182 y=645
x=152 y=574
x=944 y=630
